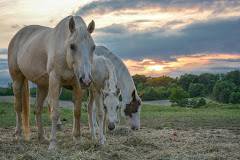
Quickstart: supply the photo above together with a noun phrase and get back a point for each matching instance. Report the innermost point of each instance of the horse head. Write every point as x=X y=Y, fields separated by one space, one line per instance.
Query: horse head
x=111 y=105
x=132 y=110
x=80 y=47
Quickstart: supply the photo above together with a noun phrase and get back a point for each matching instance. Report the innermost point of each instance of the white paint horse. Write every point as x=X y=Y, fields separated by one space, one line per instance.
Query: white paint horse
x=131 y=102
x=104 y=97
x=51 y=58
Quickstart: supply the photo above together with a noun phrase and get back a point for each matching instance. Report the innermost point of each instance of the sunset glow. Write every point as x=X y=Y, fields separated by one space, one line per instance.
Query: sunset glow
x=156 y=67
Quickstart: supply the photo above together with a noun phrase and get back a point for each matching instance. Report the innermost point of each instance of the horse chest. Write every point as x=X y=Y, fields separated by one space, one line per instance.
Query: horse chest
x=67 y=76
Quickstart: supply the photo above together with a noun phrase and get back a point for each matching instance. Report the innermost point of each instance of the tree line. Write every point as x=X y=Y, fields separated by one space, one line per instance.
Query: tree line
x=224 y=88
x=188 y=89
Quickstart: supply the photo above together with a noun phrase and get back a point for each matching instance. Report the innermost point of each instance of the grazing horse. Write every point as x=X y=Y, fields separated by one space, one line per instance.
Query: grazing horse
x=50 y=58
x=131 y=102
x=104 y=97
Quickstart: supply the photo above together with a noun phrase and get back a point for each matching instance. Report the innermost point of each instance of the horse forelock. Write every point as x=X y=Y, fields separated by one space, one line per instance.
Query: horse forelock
x=80 y=26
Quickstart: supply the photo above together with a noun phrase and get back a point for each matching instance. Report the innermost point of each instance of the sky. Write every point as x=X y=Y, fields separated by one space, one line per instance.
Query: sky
x=153 y=37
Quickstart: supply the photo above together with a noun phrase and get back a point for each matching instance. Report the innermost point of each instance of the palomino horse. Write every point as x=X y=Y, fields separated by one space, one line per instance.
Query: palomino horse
x=131 y=102
x=50 y=58
x=104 y=96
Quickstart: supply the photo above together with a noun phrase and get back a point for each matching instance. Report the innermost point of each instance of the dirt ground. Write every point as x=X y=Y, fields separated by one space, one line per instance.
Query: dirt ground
x=128 y=145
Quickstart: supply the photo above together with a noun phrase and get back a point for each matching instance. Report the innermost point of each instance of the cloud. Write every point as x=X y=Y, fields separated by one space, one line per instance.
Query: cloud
x=106 y=6
x=114 y=28
x=196 y=64
x=215 y=36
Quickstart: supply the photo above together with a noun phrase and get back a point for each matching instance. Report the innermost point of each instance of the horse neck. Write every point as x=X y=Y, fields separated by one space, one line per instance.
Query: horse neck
x=125 y=83
x=127 y=87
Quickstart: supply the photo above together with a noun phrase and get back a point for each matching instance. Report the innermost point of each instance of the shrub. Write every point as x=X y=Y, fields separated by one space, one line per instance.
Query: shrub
x=193 y=103
x=201 y=102
x=183 y=102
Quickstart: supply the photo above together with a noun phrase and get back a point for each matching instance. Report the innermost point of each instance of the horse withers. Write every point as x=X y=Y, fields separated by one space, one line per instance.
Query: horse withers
x=50 y=58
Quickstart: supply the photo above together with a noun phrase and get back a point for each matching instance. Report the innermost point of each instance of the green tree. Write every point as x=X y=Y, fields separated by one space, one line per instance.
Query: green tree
x=208 y=80
x=185 y=80
x=233 y=76
x=150 y=94
x=196 y=90
x=139 y=79
x=235 y=98
x=222 y=90
x=178 y=94
x=160 y=81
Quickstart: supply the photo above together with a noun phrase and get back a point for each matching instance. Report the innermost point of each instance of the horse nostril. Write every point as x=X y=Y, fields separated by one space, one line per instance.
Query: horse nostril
x=111 y=126
x=81 y=80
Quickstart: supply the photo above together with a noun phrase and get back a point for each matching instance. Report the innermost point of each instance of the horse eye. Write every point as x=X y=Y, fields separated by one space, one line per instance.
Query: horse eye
x=73 y=47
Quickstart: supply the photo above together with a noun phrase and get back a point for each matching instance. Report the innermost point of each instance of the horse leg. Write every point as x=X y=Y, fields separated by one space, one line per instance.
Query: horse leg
x=77 y=111
x=54 y=87
x=17 y=89
x=104 y=121
x=59 y=123
x=99 y=105
x=41 y=96
x=90 y=116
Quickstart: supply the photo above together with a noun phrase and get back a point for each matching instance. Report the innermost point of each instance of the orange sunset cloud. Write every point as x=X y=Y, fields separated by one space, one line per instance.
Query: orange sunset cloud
x=157 y=67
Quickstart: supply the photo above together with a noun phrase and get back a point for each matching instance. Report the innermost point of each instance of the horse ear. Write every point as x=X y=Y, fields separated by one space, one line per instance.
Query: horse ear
x=134 y=95
x=91 y=26
x=71 y=25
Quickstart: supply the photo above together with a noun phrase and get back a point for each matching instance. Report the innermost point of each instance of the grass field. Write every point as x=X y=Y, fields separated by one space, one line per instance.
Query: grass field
x=209 y=132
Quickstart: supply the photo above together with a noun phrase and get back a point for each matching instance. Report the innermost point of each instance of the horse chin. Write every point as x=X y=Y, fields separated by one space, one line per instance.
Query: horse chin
x=84 y=86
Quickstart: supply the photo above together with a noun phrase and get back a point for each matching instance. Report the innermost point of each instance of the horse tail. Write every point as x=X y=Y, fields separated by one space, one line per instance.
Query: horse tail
x=25 y=109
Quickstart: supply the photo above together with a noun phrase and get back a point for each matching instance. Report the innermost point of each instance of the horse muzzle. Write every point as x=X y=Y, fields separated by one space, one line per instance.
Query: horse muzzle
x=85 y=81
x=111 y=126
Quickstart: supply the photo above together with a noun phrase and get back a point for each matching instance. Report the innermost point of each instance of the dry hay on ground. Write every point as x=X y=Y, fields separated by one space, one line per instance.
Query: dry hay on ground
x=124 y=144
